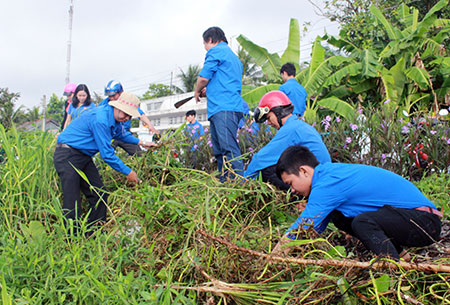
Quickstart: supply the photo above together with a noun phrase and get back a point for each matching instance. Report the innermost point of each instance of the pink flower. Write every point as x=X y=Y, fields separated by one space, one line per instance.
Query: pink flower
x=359 y=110
x=338 y=119
x=328 y=118
x=250 y=149
x=205 y=130
x=383 y=156
x=348 y=140
x=387 y=101
x=353 y=126
x=433 y=132
x=448 y=141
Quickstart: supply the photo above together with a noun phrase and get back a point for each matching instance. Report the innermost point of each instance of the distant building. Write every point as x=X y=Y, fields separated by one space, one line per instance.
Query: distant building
x=163 y=114
x=50 y=125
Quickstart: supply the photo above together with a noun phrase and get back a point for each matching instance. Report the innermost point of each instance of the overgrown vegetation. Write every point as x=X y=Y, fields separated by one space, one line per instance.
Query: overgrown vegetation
x=178 y=237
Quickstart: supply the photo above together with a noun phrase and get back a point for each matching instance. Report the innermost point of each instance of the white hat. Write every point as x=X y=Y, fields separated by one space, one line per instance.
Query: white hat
x=128 y=103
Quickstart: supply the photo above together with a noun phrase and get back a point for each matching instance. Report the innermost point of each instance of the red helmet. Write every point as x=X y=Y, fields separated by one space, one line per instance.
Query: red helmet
x=274 y=99
x=268 y=102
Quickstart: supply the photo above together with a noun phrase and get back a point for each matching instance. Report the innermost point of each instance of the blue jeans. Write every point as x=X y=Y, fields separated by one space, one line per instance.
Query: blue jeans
x=223 y=128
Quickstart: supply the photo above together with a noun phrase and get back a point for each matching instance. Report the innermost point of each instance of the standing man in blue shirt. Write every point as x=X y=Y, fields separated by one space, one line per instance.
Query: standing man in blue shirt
x=276 y=108
x=382 y=209
x=221 y=79
x=113 y=90
x=296 y=93
x=79 y=142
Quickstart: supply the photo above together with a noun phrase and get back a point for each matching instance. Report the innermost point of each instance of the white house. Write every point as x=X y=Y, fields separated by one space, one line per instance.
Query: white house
x=163 y=114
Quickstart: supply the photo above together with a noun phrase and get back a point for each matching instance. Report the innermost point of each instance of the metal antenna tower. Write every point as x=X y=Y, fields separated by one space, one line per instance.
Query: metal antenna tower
x=69 y=43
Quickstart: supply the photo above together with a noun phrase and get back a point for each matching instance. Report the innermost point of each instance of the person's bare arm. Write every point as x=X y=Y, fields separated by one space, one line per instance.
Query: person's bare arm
x=147 y=122
x=68 y=120
x=201 y=84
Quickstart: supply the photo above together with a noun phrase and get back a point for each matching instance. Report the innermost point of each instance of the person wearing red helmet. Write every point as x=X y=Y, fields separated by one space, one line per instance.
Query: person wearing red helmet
x=276 y=109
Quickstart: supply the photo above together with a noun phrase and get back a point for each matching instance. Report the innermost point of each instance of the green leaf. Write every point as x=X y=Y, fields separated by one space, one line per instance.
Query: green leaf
x=252 y=97
x=6 y=298
x=419 y=76
x=387 y=25
x=270 y=63
x=337 y=105
x=344 y=288
x=292 y=53
x=383 y=283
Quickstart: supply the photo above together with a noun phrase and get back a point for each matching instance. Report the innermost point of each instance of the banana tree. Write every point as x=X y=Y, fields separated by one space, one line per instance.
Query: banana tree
x=312 y=78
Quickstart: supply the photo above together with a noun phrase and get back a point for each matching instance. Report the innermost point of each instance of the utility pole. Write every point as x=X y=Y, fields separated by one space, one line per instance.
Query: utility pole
x=44 y=106
x=69 y=42
x=171 y=77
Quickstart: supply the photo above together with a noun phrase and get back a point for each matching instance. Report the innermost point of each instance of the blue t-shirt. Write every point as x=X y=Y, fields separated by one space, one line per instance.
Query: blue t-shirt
x=293 y=132
x=194 y=130
x=94 y=133
x=224 y=70
x=354 y=189
x=127 y=124
x=296 y=93
x=76 y=112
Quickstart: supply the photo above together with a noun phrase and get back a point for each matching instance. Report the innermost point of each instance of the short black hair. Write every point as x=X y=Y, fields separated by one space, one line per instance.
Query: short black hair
x=215 y=34
x=191 y=112
x=289 y=68
x=293 y=157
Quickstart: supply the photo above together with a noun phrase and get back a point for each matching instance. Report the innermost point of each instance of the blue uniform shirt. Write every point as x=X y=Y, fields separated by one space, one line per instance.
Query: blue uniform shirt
x=354 y=189
x=127 y=124
x=194 y=130
x=293 y=132
x=94 y=133
x=296 y=93
x=224 y=70
x=76 y=112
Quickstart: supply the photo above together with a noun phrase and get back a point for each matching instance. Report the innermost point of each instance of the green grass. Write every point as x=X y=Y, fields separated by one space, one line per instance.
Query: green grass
x=151 y=252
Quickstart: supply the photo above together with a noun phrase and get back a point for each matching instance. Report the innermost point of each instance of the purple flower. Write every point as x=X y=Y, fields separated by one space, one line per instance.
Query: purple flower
x=193 y=131
x=205 y=130
x=448 y=141
x=382 y=126
x=195 y=146
x=405 y=129
x=359 y=110
x=209 y=144
x=313 y=124
x=387 y=101
x=401 y=120
x=383 y=157
x=353 y=126
x=328 y=118
x=250 y=149
x=348 y=140
x=433 y=132
x=338 y=119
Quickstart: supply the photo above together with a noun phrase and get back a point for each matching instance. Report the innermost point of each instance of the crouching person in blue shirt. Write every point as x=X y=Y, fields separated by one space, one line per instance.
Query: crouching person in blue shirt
x=81 y=140
x=382 y=209
x=276 y=108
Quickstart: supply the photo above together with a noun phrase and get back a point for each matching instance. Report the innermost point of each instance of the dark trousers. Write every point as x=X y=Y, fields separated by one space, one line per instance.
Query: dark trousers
x=131 y=149
x=386 y=230
x=72 y=183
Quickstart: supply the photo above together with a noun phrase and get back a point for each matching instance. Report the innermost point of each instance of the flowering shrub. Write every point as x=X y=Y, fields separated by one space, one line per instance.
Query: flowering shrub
x=378 y=137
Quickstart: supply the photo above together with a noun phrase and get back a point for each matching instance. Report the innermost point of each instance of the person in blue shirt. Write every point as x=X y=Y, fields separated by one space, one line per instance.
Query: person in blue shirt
x=276 y=108
x=193 y=128
x=221 y=81
x=382 y=209
x=194 y=131
x=79 y=142
x=296 y=93
x=113 y=89
x=81 y=103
